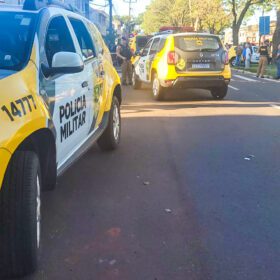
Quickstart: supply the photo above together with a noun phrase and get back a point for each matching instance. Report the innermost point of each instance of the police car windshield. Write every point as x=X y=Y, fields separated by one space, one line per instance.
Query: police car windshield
x=197 y=43
x=16 y=36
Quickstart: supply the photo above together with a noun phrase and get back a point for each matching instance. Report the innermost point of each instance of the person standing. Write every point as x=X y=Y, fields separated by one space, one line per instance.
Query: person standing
x=238 y=56
x=124 y=55
x=264 y=53
x=248 y=55
x=278 y=62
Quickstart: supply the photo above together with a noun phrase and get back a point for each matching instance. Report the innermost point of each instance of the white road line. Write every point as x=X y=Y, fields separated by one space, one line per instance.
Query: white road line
x=275 y=106
x=233 y=88
x=245 y=78
x=271 y=80
x=233 y=80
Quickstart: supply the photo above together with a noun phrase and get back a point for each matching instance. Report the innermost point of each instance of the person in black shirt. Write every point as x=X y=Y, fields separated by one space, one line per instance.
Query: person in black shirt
x=264 y=54
x=124 y=55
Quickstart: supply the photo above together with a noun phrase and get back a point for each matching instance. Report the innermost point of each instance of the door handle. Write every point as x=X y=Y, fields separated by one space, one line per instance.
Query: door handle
x=85 y=84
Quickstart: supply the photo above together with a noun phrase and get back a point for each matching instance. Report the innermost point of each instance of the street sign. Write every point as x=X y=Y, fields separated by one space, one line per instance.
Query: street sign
x=264 y=25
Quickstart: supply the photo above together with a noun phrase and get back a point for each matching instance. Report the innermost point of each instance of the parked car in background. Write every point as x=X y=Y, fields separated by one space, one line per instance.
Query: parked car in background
x=232 y=55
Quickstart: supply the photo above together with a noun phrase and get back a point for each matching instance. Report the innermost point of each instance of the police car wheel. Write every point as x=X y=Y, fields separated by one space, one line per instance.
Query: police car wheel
x=135 y=81
x=20 y=215
x=110 y=139
x=158 y=90
x=219 y=93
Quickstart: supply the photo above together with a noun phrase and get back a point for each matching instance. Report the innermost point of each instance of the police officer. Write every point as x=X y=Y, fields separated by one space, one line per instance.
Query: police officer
x=124 y=55
x=264 y=54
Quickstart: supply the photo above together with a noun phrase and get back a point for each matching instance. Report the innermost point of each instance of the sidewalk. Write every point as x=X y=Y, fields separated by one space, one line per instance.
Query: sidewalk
x=270 y=72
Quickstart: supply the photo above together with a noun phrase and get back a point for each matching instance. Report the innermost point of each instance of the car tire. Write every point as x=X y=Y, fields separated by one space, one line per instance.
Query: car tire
x=219 y=93
x=20 y=215
x=110 y=139
x=158 y=90
x=136 y=83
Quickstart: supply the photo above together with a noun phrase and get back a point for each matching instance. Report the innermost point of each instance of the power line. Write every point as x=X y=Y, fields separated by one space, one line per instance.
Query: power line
x=130 y=2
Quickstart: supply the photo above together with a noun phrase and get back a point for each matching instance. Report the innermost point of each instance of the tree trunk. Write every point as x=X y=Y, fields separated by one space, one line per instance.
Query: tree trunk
x=235 y=34
x=276 y=35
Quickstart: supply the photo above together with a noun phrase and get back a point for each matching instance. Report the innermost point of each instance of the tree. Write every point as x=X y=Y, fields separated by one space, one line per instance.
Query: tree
x=166 y=12
x=205 y=15
x=200 y=14
x=239 y=9
x=276 y=35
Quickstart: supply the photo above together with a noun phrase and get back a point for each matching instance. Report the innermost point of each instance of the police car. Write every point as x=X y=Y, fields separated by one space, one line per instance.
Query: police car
x=59 y=94
x=183 y=60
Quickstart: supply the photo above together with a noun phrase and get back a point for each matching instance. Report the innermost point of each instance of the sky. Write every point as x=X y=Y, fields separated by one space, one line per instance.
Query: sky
x=137 y=8
x=122 y=8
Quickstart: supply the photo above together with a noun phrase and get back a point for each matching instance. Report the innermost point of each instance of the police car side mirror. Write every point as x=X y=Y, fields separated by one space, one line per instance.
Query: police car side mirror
x=64 y=63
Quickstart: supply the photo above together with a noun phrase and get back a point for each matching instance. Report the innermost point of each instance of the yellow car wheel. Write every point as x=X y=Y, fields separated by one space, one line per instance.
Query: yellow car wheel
x=136 y=83
x=20 y=215
x=110 y=138
x=158 y=90
x=219 y=93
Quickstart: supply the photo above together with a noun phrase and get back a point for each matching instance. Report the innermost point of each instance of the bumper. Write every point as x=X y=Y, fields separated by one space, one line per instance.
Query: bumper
x=197 y=82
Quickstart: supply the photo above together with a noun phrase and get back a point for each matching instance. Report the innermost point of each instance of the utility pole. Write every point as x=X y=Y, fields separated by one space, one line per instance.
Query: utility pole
x=111 y=30
x=130 y=2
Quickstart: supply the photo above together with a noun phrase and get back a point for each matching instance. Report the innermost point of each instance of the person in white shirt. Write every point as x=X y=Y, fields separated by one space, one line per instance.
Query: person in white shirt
x=248 y=57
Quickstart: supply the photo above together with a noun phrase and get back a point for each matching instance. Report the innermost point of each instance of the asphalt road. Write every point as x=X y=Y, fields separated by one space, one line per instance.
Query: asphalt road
x=192 y=193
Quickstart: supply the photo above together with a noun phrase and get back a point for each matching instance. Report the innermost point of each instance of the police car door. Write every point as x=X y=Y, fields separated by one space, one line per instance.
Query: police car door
x=65 y=93
x=142 y=61
x=93 y=73
x=150 y=58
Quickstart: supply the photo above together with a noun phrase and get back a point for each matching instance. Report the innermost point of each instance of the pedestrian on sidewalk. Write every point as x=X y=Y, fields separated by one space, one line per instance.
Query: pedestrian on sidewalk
x=264 y=54
x=238 y=55
x=278 y=62
x=124 y=55
x=248 y=55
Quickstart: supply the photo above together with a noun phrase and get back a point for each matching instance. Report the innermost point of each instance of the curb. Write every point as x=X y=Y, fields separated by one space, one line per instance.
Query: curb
x=251 y=73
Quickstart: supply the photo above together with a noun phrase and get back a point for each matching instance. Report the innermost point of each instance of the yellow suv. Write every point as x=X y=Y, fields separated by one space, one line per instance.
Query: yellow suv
x=183 y=60
x=59 y=94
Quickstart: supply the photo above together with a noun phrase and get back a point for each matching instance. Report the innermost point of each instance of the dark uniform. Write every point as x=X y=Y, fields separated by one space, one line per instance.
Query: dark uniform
x=124 y=51
x=263 y=50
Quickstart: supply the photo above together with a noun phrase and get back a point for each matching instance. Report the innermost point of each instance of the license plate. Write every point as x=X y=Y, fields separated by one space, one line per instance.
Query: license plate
x=201 y=66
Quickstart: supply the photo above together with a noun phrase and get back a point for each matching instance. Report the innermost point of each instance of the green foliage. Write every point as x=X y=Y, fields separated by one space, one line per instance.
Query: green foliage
x=200 y=14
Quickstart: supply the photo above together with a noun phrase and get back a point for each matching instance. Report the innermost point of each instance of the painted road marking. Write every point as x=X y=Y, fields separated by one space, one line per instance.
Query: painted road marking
x=245 y=78
x=233 y=88
x=271 y=80
x=275 y=106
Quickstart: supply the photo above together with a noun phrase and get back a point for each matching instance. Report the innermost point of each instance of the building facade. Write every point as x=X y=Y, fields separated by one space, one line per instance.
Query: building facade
x=250 y=34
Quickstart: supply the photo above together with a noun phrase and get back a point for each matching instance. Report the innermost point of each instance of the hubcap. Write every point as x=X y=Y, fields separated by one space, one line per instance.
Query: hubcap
x=38 y=212
x=116 y=122
x=155 y=87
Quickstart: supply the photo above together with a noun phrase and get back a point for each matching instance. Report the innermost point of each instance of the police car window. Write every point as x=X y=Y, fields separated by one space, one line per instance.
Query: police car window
x=84 y=39
x=161 y=44
x=16 y=38
x=58 y=38
x=97 y=38
x=154 y=47
x=197 y=43
x=146 y=49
